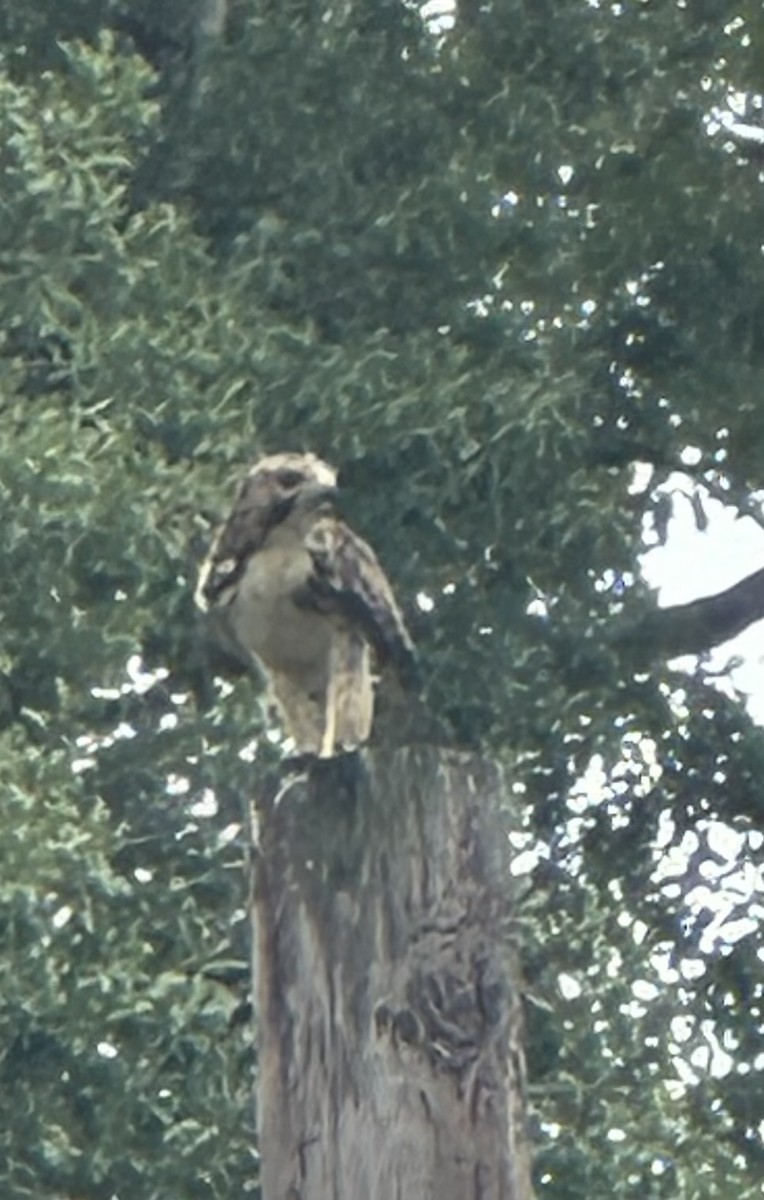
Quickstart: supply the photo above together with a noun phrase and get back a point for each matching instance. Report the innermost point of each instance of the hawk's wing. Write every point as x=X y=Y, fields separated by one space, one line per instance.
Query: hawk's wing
x=347 y=580
x=242 y=535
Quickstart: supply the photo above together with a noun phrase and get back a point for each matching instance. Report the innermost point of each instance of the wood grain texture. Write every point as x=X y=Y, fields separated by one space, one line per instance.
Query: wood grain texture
x=390 y=1060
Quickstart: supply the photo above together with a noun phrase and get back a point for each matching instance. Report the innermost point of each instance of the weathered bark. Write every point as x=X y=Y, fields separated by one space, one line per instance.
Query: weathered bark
x=390 y=1061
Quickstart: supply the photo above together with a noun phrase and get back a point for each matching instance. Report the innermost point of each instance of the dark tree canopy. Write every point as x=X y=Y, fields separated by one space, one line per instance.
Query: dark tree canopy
x=488 y=270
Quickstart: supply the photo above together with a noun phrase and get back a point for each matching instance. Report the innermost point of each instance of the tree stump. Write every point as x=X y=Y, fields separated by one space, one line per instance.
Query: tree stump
x=390 y=1063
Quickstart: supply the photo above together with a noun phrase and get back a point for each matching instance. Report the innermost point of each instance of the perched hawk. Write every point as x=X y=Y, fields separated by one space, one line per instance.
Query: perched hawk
x=302 y=593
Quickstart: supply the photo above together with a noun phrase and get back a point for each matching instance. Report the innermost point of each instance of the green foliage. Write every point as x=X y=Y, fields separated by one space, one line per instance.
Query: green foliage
x=486 y=272
x=119 y=1053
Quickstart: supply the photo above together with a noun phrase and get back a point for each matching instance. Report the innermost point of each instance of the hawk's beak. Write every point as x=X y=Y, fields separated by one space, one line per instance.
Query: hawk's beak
x=317 y=495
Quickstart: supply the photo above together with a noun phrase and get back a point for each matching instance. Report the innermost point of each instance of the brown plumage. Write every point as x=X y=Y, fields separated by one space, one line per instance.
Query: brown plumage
x=308 y=598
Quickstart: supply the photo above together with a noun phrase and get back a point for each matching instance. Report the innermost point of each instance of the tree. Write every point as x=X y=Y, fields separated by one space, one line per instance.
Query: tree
x=391 y=1056
x=487 y=271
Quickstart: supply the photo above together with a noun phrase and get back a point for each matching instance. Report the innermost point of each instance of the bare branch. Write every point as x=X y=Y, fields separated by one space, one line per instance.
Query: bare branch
x=700 y=625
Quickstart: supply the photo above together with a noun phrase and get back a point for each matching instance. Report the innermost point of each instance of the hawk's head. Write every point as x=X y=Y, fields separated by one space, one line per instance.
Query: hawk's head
x=285 y=483
x=279 y=488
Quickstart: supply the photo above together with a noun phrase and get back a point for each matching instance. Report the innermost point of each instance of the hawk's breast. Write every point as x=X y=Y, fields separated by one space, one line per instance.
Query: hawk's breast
x=266 y=619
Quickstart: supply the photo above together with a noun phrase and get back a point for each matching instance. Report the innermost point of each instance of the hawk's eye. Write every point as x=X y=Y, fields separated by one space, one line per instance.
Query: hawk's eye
x=289 y=479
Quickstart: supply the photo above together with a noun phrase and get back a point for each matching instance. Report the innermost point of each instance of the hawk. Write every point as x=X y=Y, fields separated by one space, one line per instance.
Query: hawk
x=307 y=598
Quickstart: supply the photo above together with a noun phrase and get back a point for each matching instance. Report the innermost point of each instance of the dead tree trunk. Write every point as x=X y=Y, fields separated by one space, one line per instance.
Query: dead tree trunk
x=390 y=1060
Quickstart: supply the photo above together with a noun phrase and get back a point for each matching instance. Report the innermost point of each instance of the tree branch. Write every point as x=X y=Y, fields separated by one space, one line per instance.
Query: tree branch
x=745 y=506
x=697 y=626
